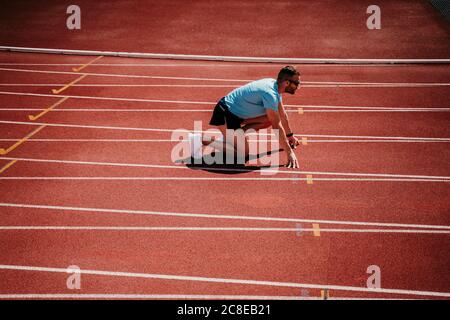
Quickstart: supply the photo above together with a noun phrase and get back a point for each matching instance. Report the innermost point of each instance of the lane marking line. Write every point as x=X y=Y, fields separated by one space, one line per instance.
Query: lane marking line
x=7 y=166
x=108 y=98
x=286 y=171
x=316 y=230
x=202 y=102
x=33 y=118
x=123 y=75
x=371 y=141
x=368 y=111
x=86 y=64
x=327 y=83
x=337 y=85
x=362 y=107
x=95 y=127
x=121 y=85
x=297 y=230
x=181 y=63
x=261 y=140
x=173 y=297
x=21 y=141
x=110 y=110
x=227 y=281
x=289 y=108
x=58 y=91
x=188 y=131
x=218 y=216
x=434 y=110
x=166 y=178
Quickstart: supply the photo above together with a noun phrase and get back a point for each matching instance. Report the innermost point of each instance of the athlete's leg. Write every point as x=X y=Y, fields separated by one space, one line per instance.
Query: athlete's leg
x=256 y=124
x=236 y=136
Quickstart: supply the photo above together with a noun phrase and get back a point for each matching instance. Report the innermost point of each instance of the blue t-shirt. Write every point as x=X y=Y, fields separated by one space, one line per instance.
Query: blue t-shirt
x=252 y=99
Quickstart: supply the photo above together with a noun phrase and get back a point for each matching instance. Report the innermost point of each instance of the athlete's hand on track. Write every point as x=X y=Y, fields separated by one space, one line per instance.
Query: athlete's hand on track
x=293 y=142
x=292 y=160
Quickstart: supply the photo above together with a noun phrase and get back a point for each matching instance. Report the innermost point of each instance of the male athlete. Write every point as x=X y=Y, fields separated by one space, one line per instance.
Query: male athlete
x=259 y=105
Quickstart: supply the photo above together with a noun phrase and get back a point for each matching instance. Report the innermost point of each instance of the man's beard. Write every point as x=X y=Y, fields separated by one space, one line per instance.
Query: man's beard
x=290 y=91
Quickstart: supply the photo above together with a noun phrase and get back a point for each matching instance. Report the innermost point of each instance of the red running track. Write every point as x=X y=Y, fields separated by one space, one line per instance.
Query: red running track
x=75 y=160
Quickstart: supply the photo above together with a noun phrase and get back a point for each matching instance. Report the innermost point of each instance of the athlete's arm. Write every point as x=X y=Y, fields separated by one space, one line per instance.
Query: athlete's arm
x=293 y=141
x=275 y=120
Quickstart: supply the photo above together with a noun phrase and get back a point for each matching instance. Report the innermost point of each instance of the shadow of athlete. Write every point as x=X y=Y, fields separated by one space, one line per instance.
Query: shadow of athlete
x=225 y=168
x=256 y=105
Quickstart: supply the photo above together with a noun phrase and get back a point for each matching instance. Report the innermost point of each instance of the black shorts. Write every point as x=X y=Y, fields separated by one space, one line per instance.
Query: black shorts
x=221 y=115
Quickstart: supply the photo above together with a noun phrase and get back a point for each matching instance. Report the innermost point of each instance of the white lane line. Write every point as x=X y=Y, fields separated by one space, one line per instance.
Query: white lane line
x=227 y=281
x=103 y=140
x=195 y=102
x=106 y=98
x=365 y=110
x=219 y=216
x=174 y=297
x=371 y=137
x=114 y=110
x=370 y=84
x=227 y=229
x=331 y=83
x=292 y=108
x=317 y=109
x=96 y=127
x=124 y=75
x=221 y=179
x=146 y=64
x=182 y=179
x=289 y=106
x=266 y=170
x=261 y=140
x=120 y=85
x=378 y=141
x=210 y=110
x=377 y=85
x=222 y=64
x=305 y=84
x=209 y=131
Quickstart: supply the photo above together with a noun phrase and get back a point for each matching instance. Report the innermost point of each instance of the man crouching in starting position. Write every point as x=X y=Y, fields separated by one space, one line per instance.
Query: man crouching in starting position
x=258 y=105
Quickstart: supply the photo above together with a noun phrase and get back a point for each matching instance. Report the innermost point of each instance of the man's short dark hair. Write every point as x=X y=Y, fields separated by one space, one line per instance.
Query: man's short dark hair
x=287 y=72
